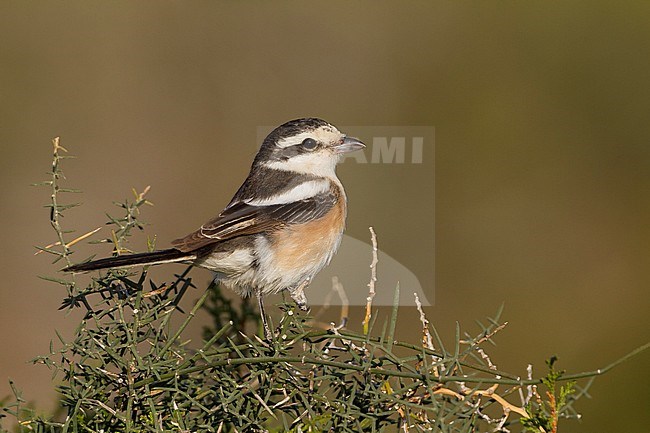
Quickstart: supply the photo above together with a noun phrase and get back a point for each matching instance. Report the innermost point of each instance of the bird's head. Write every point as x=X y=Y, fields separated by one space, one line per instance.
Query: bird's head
x=306 y=146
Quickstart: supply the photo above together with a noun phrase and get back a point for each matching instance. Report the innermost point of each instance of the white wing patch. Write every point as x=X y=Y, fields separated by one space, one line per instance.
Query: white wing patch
x=303 y=191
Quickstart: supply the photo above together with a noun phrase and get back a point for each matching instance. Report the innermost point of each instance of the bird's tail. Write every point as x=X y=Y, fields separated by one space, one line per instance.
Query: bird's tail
x=153 y=258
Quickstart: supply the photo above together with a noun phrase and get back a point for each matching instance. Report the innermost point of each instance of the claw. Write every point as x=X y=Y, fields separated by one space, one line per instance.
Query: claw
x=303 y=306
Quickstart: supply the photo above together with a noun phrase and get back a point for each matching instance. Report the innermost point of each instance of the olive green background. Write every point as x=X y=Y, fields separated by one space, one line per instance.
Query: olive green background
x=541 y=166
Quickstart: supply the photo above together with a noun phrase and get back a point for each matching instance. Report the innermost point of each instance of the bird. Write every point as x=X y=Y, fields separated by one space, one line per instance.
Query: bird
x=282 y=226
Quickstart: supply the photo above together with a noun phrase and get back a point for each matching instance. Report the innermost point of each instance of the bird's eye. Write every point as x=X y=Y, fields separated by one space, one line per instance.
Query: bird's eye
x=309 y=144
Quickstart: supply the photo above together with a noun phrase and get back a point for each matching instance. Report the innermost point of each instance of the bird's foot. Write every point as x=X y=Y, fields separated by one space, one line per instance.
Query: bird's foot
x=303 y=306
x=298 y=295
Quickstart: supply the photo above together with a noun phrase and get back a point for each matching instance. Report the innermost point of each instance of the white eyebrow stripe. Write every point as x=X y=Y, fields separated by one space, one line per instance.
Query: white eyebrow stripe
x=324 y=134
x=295 y=139
x=303 y=191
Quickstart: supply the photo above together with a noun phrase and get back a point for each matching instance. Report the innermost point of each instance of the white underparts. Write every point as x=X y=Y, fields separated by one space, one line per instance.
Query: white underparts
x=235 y=262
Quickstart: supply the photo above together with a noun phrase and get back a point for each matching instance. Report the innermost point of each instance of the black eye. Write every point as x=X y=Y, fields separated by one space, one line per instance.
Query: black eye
x=309 y=144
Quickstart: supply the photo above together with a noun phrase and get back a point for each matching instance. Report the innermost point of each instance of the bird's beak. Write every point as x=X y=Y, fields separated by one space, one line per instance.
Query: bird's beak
x=349 y=144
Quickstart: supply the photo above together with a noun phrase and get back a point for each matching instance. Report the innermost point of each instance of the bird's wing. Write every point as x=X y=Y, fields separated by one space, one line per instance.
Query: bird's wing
x=241 y=219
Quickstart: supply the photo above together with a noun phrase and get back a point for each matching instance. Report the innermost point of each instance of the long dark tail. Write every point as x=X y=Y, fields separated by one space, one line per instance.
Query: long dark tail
x=154 y=258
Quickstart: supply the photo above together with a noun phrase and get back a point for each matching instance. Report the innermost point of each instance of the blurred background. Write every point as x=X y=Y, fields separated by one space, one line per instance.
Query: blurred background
x=542 y=157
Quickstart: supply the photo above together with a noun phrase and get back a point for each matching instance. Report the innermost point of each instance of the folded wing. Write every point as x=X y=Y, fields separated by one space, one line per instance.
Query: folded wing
x=241 y=219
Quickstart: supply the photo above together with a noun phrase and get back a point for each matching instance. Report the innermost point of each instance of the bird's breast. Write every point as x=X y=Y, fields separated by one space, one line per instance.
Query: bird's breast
x=297 y=252
x=309 y=244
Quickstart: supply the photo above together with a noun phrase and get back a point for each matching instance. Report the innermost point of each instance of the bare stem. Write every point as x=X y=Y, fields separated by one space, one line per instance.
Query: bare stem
x=55 y=210
x=371 y=284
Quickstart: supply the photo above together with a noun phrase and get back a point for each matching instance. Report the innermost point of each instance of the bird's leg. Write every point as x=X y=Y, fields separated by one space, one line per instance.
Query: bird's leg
x=265 y=324
x=298 y=294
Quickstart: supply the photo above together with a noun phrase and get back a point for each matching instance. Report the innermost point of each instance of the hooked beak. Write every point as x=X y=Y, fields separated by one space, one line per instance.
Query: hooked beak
x=349 y=144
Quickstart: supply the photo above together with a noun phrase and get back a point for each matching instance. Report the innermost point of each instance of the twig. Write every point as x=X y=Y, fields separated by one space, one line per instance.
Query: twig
x=485 y=337
x=427 y=341
x=55 y=210
x=71 y=243
x=371 y=284
x=608 y=367
x=484 y=393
